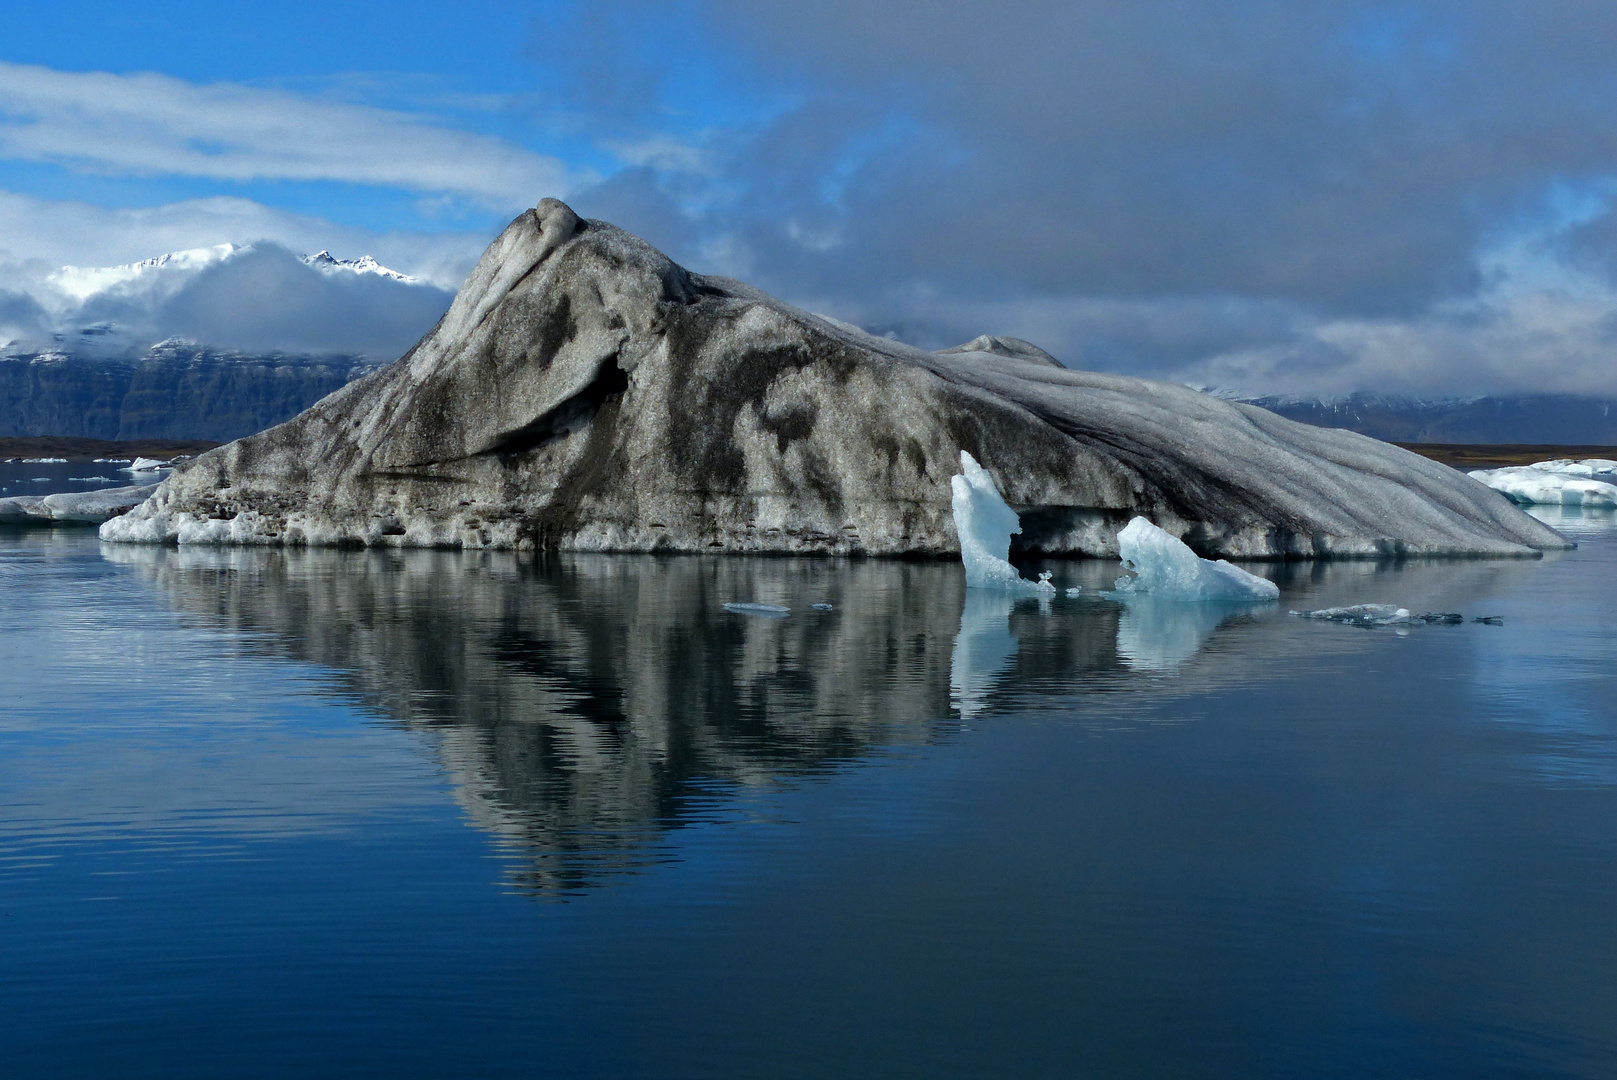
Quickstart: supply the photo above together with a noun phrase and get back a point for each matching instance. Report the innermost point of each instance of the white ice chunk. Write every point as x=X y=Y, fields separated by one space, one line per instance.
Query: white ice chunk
x=823 y=607
x=985 y=524
x=1074 y=591
x=146 y=464
x=1533 y=486
x=1165 y=567
x=768 y=611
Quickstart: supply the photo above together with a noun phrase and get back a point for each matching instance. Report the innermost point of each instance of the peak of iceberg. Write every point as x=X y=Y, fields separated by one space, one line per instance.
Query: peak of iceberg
x=985 y=525
x=1165 y=567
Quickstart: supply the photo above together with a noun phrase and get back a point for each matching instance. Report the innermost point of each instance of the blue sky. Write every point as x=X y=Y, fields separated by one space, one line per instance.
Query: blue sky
x=1301 y=196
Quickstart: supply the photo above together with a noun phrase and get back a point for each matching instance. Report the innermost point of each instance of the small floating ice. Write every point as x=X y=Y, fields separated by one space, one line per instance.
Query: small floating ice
x=768 y=611
x=985 y=525
x=1533 y=486
x=44 y=461
x=822 y=607
x=146 y=464
x=1074 y=591
x=1373 y=615
x=1165 y=567
x=113 y=460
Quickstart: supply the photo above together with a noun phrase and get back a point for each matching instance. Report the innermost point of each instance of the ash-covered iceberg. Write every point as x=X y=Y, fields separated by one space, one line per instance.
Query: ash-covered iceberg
x=1534 y=485
x=1164 y=567
x=585 y=393
x=985 y=526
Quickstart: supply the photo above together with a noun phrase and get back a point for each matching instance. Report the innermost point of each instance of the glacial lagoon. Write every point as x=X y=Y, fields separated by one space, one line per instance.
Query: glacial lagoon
x=429 y=814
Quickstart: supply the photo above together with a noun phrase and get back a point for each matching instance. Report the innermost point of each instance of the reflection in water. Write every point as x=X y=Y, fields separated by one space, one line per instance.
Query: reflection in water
x=983 y=649
x=1157 y=634
x=582 y=705
x=579 y=703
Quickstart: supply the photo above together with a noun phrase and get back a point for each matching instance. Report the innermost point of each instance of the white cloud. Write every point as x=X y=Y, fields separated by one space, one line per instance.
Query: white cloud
x=155 y=125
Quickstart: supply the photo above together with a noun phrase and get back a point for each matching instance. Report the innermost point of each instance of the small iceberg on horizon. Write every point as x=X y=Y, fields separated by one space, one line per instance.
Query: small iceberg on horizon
x=985 y=524
x=146 y=464
x=1587 y=468
x=1165 y=567
x=1534 y=485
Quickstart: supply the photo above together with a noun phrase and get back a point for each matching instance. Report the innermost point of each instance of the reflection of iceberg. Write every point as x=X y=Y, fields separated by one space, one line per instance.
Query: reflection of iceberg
x=1166 y=568
x=983 y=648
x=1158 y=633
x=1534 y=486
x=985 y=525
x=576 y=702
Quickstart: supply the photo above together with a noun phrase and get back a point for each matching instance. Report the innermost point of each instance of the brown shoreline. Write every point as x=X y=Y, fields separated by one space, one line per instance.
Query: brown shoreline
x=1498 y=455
x=76 y=449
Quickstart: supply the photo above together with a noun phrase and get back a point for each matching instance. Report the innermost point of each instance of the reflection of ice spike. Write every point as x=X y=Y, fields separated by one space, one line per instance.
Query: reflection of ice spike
x=985 y=524
x=983 y=648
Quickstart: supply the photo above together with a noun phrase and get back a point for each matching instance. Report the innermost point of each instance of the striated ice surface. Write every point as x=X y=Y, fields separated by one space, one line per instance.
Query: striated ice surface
x=1534 y=486
x=985 y=524
x=1166 y=568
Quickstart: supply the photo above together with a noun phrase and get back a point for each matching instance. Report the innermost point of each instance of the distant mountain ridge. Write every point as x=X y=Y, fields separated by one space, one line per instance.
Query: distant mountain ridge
x=174 y=389
x=1516 y=418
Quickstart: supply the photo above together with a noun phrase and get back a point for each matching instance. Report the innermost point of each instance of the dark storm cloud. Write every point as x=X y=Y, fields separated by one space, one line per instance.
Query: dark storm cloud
x=1232 y=179
x=267 y=299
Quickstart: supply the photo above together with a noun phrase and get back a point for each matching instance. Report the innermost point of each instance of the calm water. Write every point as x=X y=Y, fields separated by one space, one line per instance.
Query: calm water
x=440 y=815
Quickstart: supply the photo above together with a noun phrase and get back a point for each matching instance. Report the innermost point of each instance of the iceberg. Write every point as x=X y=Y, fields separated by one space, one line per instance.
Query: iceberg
x=146 y=464
x=1532 y=486
x=1165 y=567
x=985 y=523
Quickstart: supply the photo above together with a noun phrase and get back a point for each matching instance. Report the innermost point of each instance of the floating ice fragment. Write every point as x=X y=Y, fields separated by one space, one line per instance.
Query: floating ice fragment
x=822 y=607
x=1074 y=591
x=44 y=461
x=1165 y=567
x=768 y=611
x=1533 y=486
x=113 y=460
x=1372 y=615
x=1490 y=620
x=146 y=464
x=985 y=524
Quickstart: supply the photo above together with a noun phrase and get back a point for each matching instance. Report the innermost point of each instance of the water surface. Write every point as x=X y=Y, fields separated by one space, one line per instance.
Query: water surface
x=441 y=814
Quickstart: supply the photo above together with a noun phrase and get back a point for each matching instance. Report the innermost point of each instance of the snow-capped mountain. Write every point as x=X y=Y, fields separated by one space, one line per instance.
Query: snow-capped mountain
x=80 y=283
x=325 y=261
